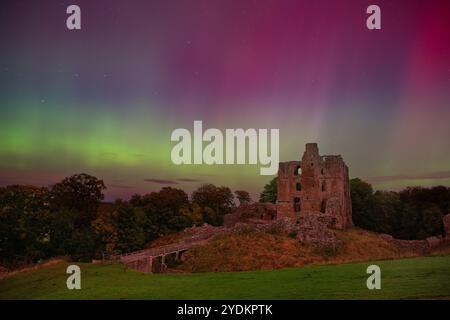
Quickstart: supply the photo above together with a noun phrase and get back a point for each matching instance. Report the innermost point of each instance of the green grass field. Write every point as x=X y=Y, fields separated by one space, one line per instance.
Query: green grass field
x=425 y=277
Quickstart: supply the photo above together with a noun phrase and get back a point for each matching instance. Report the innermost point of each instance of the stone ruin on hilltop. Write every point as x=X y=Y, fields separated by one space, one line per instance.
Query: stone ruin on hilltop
x=313 y=200
x=313 y=197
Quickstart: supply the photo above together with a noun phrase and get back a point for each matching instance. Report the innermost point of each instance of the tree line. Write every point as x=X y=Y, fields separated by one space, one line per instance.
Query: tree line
x=412 y=213
x=70 y=218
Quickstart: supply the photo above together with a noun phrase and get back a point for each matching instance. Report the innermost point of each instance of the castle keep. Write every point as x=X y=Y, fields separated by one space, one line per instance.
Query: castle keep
x=315 y=184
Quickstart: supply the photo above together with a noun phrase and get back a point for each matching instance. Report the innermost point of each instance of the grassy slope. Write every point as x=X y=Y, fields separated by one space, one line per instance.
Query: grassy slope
x=423 y=277
x=247 y=251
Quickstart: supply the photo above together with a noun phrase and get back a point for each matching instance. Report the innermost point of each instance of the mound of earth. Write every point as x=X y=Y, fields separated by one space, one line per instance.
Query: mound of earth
x=251 y=249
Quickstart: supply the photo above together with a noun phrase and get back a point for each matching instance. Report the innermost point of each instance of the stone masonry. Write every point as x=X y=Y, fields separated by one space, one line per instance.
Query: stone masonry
x=447 y=226
x=254 y=213
x=315 y=184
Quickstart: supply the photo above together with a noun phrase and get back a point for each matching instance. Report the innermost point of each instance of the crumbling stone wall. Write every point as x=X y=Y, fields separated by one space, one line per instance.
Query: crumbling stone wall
x=447 y=226
x=313 y=228
x=315 y=184
x=288 y=189
x=416 y=246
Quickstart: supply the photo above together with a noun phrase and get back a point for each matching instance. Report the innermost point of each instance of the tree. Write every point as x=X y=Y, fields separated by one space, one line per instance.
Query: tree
x=410 y=222
x=24 y=225
x=440 y=195
x=105 y=227
x=164 y=212
x=196 y=214
x=362 y=204
x=386 y=212
x=432 y=221
x=62 y=228
x=243 y=197
x=81 y=193
x=269 y=193
x=74 y=203
x=413 y=213
x=85 y=245
x=130 y=233
x=214 y=201
x=423 y=211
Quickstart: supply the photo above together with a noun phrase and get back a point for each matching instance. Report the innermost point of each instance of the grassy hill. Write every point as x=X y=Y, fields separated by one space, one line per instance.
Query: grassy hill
x=249 y=250
x=414 y=278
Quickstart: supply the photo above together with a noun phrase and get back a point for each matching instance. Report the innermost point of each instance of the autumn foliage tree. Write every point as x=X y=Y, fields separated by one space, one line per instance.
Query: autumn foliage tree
x=214 y=201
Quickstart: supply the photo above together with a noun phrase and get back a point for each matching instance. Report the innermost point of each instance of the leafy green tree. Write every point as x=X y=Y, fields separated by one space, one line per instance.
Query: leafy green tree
x=24 y=225
x=269 y=193
x=423 y=211
x=413 y=213
x=165 y=212
x=420 y=196
x=62 y=228
x=215 y=202
x=440 y=196
x=130 y=233
x=410 y=222
x=432 y=221
x=81 y=193
x=105 y=227
x=386 y=212
x=362 y=204
x=74 y=203
x=85 y=244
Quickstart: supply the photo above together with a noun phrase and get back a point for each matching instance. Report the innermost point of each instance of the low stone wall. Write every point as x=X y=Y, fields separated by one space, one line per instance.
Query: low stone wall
x=416 y=246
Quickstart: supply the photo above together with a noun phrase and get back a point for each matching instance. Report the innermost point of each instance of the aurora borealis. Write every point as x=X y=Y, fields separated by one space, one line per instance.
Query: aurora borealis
x=105 y=99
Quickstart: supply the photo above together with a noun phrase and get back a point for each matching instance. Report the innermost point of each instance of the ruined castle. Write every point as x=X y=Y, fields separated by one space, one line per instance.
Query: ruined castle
x=315 y=184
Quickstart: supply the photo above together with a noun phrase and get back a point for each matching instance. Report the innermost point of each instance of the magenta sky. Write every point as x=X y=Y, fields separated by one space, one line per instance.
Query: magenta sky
x=105 y=99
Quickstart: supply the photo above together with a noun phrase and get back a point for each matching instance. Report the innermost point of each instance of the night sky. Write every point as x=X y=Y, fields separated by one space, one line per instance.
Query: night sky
x=104 y=100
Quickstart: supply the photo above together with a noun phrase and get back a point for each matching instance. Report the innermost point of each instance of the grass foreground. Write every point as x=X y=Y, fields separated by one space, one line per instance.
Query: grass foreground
x=413 y=278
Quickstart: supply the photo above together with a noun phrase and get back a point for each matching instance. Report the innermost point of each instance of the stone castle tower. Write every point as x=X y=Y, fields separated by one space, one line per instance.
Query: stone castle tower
x=315 y=184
